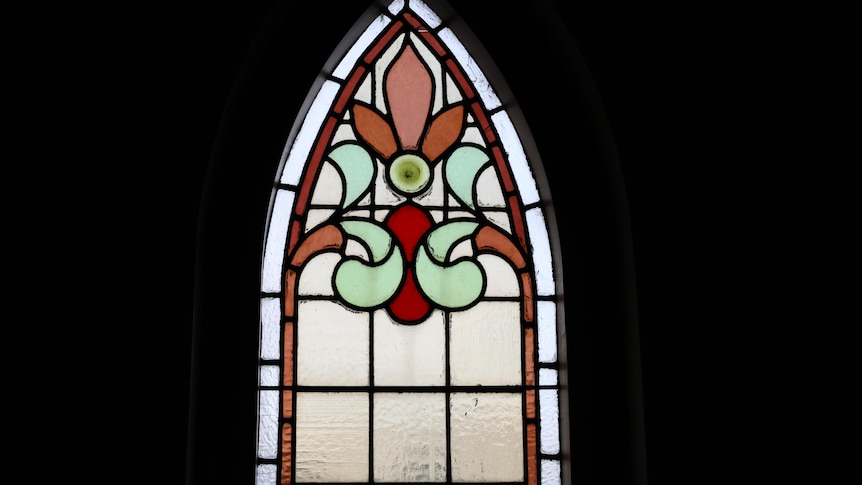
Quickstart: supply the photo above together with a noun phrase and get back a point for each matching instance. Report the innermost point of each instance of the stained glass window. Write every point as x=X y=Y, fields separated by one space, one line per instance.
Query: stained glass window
x=409 y=300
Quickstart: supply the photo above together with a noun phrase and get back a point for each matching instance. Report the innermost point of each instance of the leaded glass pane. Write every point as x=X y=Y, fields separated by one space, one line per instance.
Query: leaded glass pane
x=408 y=310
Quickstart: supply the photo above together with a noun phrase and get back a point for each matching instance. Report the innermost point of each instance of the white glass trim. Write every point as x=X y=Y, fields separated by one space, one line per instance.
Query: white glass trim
x=474 y=73
x=425 y=12
x=267 y=434
x=276 y=239
x=314 y=119
x=349 y=60
x=541 y=252
x=517 y=158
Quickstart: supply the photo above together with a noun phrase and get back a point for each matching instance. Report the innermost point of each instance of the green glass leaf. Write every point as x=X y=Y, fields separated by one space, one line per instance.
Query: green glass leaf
x=367 y=286
x=441 y=240
x=376 y=239
x=455 y=286
x=357 y=166
x=461 y=170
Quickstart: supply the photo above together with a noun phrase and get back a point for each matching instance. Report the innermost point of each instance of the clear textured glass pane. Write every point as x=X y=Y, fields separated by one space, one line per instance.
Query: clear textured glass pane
x=541 y=252
x=547 y=317
x=409 y=437
x=275 y=240
x=409 y=355
x=295 y=163
x=548 y=377
x=331 y=437
x=269 y=375
x=550 y=472
x=486 y=437
x=550 y=420
x=267 y=433
x=270 y=323
x=517 y=158
x=485 y=344
x=332 y=345
x=266 y=475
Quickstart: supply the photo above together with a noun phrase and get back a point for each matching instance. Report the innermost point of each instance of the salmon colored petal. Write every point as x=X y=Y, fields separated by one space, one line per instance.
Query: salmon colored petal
x=408 y=94
x=374 y=130
x=443 y=132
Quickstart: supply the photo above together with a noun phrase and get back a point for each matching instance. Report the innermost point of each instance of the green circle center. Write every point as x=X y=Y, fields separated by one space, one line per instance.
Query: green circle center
x=409 y=173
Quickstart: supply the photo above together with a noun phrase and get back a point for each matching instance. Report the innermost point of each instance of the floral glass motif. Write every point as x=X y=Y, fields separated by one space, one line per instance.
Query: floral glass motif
x=408 y=315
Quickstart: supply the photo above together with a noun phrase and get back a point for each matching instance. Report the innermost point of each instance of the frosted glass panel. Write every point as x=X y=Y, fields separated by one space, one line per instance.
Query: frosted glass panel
x=550 y=420
x=485 y=344
x=471 y=69
x=275 y=241
x=409 y=355
x=541 y=252
x=548 y=377
x=547 y=316
x=426 y=13
x=269 y=375
x=409 y=437
x=486 y=437
x=270 y=328
x=331 y=437
x=266 y=475
x=332 y=345
x=267 y=434
x=550 y=472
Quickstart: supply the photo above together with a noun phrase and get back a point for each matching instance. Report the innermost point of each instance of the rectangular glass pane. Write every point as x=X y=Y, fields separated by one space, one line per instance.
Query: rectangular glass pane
x=409 y=437
x=547 y=317
x=486 y=437
x=270 y=332
x=269 y=375
x=266 y=475
x=549 y=410
x=276 y=236
x=485 y=344
x=332 y=345
x=550 y=472
x=267 y=439
x=331 y=437
x=409 y=355
x=541 y=252
x=548 y=377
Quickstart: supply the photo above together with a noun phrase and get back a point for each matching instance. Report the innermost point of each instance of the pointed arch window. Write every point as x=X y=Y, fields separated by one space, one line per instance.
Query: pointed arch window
x=409 y=297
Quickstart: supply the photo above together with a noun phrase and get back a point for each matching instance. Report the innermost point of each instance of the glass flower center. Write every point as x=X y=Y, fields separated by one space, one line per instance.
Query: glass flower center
x=409 y=173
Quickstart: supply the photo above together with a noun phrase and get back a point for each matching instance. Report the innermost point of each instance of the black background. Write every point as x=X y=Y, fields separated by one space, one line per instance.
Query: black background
x=733 y=185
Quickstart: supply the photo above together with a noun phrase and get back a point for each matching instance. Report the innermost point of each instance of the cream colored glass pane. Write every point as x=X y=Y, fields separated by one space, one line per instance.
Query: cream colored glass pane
x=267 y=432
x=295 y=163
x=316 y=276
x=501 y=280
x=409 y=437
x=384 y=195
x=349 y=61
x=550 y=420
x=486 y=437
x=343 y=133
x=329 y=187
x=316 y=217
x=265 y=475
x=500 y=219
x=541 y=252
x=547 y=317
x=409 y=355
x=489 y=193
x=332 y=345
x=276 y=236
x=270 y=328
x=550 y=472
x=331 y=437
x=485 y=344
x=453 y=94
x=473 y=135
